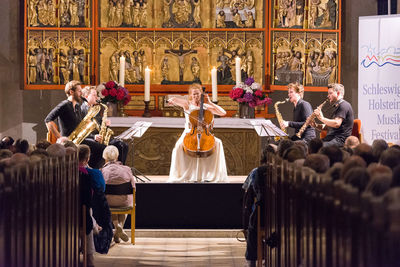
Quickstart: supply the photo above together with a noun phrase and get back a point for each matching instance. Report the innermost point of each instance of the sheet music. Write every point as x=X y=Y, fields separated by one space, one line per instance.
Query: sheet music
x=267 y=128
x=137 y=130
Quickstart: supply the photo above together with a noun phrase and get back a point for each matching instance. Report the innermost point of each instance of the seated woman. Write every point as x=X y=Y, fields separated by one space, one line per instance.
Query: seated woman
x=116 y=173
x=185 y=168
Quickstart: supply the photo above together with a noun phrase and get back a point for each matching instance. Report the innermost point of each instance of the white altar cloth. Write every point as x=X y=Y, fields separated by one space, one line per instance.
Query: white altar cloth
x=170 y=122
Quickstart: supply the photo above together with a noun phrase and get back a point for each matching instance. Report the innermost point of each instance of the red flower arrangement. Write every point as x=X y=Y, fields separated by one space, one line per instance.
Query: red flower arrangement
x=249 y=92
x=114 y=93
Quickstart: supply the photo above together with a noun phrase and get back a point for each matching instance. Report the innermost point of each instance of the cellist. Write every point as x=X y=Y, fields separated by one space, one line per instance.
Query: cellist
x=185 y=168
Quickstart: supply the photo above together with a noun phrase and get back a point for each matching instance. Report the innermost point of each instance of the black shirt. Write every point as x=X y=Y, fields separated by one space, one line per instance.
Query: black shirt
x=68 y=118
x=301 y=112
x=343 y=110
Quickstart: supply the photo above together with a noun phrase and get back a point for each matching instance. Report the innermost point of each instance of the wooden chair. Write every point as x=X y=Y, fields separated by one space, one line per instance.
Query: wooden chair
x=124 y=189
x=355 y=132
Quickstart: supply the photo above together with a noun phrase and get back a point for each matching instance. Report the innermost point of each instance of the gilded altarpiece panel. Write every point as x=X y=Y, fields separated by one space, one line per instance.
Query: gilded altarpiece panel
x=309 y=58
x=56 y=57
x=181 y=57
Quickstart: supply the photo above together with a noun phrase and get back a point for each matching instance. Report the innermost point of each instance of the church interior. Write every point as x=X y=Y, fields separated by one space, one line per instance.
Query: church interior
x=255 y=197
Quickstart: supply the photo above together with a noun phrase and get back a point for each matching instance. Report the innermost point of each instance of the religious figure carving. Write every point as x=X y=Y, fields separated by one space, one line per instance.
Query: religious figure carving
x=129 y=75
x=136 y=65
x=282 y=12
x=42 y=12
x=143 y=61
x=313 y=12
x=143 y=18
x=32 y=61
x=73 y=9
x=291 y=14
x=250 y=4
x=81 y=64
x=51 y=13
x=32 y=14
x=111 y=13
x=295 y=63
x=165 y=69
x=118 y=15
x=195 y=68
x=127 y=12
x=63 y=61
x=249 y=64
x=196 y=12
x=181 y=9
x=299 y=12
x=166 y=5
x=311 y=63
x=239 y=4
x=49 y=61
x=114 y=66
x=42 y=63
x=75 y=68
x=64 y=12
x=180 y=54
x=136 y=14
x=249 y=23
x=237 y=20
x=220 y=4
x=224 y=74
x=81 y=11
x=221 y=19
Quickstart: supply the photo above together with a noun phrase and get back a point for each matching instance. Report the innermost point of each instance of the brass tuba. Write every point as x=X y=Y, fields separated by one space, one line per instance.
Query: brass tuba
x=105 y=132
x=278 y=114
x=309 y=120
x=86 y=126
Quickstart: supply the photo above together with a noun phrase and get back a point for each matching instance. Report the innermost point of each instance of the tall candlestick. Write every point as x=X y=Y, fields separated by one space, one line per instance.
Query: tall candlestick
x=147 y=84
x=238 y=72
x=122 y=71
x=214 y=84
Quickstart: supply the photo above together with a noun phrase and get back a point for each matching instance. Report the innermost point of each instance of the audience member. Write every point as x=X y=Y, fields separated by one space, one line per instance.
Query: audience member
x=19 y=158
x=378 y=146
x=390 y=157
x=396 y=177
x=7 y=143
x=353 y=161
x=21 y=146
x=318 y=162
x=334 y=172
x=379 y=184
x=334 y=153
x=358 y=177
x=43 y=144
x=303 y=146
x=283 y=145
x=56 y=150
x=314 y=145
x=351 y=142
x=5 y=153
x=365 y=151
x=39 y=152
x=115 y=173
x=293 y=153
x=375 y=168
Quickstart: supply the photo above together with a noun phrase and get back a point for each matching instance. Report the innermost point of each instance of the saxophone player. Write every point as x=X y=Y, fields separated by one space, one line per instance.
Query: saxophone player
x=302 y=110
x=340 y=125
x=91 y=97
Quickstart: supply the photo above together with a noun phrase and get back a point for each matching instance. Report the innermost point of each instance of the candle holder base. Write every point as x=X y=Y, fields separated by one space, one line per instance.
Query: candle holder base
x=216 y=103
x=146 y=113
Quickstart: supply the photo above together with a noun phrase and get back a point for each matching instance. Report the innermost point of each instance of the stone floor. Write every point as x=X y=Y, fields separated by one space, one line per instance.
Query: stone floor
x=173 y=251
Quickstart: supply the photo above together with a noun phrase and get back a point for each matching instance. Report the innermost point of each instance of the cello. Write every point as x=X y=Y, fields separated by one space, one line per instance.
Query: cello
x=200 y=142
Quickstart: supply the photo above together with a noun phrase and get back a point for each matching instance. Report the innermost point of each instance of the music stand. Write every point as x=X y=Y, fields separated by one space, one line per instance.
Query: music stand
x=136 y=130
x=267 y=128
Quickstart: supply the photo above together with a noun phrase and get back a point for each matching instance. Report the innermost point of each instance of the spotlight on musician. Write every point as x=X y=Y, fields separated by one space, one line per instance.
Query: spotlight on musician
x=185 y=167
x=340 y=125
x=302 y=110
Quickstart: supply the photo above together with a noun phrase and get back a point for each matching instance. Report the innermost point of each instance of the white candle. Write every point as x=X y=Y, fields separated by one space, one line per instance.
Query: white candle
x=147 y=84
x=214 y=84
x=238 y=72
x=122 y=71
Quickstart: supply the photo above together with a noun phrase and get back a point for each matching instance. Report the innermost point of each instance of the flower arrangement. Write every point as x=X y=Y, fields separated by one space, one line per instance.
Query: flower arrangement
x=114 y=93
x=249 y=92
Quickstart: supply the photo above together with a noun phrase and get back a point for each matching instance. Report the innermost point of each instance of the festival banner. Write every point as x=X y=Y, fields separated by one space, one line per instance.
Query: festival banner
x=379 y=78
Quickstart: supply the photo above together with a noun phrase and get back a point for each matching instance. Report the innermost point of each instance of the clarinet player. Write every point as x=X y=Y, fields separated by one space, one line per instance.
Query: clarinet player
x=301 y=111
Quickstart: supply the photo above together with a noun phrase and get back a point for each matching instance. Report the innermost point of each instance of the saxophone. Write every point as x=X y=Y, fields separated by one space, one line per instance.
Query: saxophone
x=279 y=115
x=86 y=126
x=309 y=120
x=105 y=132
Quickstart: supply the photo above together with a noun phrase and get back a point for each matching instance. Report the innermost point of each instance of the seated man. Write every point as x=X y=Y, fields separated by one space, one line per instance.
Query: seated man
x=91 y=97
x=341 y=124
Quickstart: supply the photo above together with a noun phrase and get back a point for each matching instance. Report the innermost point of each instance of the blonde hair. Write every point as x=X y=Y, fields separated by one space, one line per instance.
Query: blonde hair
x=192 y=87
x=72 y=85
x=110 y=153
x=298 y=88
x=86 y=90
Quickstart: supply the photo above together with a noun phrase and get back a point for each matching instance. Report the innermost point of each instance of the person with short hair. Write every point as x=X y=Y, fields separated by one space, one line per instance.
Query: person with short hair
x=302 y=110
x=340 y=125
x=115 y=173
x=351 y=142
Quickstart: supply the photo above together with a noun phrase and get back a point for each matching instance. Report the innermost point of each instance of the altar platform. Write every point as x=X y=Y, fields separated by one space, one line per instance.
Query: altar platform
x=161 y=205
x=151 y=153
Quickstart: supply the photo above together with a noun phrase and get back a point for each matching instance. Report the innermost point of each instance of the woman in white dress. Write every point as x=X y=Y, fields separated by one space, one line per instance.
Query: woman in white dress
x=185 y=168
